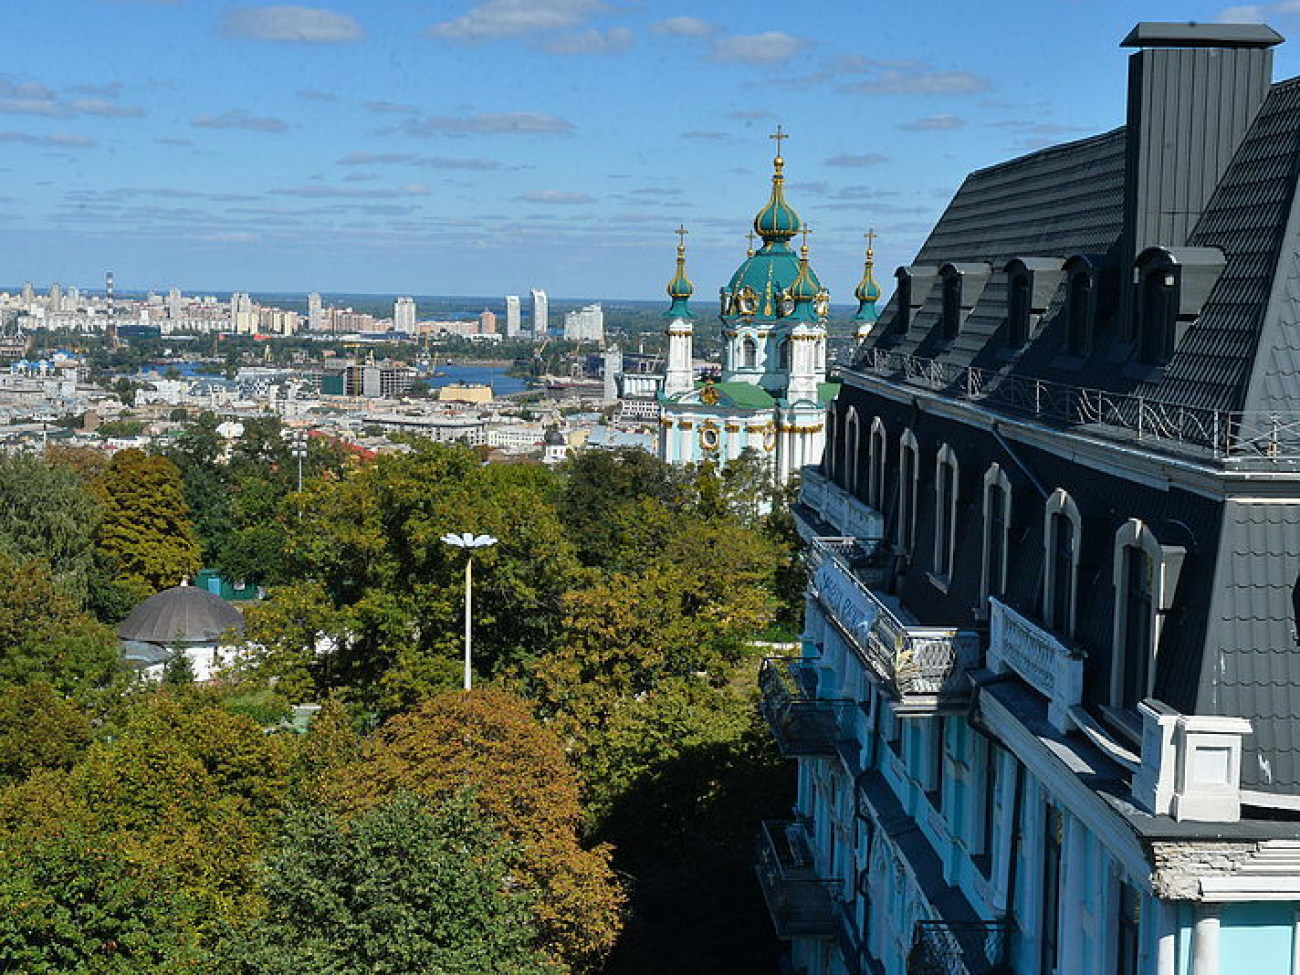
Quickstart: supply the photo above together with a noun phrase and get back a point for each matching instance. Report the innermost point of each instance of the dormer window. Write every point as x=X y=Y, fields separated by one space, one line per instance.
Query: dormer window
x=1078 y=313
x=1172 y=284
x=1031 y=284
x=962 y=286
x=913 y=286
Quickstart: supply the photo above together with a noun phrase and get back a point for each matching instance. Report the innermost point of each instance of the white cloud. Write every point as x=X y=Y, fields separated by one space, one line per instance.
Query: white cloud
x=934 y=123
x=519 y=123
x=685 y=27
x=590 y=42
x=303 y=25
x=390 y=108
x=915 y=78
x=1257 y=13
x=556 y=196
x=238 y=118
x=349 y=192
x=515 y=18
x=33 y=98
x=848 y=159
x=767 y=48
x=411 y=159
x=60 y=140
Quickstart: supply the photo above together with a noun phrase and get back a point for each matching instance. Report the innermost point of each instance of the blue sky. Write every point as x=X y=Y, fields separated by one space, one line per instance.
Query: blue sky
x=490 y=146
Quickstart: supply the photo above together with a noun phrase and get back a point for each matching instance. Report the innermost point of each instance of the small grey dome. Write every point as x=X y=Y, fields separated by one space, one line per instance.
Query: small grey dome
x=181 y=615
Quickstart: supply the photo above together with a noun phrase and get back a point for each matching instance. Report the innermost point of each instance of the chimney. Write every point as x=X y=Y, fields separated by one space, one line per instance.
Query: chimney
x=1194 y=91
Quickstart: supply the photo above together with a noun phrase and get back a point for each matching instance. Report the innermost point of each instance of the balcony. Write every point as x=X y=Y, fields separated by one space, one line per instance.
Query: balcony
x=802 y=904
x=965 y=948
x=1018 y=644
x=831 y=507
x=802 y=722
x=923 y=667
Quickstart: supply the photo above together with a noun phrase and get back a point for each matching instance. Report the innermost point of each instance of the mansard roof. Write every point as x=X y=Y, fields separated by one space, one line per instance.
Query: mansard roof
x=1242 y=352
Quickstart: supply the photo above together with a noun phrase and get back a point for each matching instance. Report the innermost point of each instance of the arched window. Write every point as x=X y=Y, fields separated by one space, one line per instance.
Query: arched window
x=997 y=531
x=1138 y=559
x=830 y=453
x=876 y=465
x=851 y=435
x=748 y=353
x=1061 y=543
x=1018 y=310
x=909 y=455
x=1078 y=313
x=903 y=301
x=945 y=511
x=1158 y=314
x=950 y=323
x=783 y=354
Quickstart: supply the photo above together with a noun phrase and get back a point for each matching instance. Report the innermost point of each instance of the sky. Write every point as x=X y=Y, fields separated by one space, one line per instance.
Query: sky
x=486 y=147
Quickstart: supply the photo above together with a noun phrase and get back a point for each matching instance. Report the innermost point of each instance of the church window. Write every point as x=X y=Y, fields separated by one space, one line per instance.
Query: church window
x=1060 y=562
x=876 y=465
x=945 y=512
x=748 y=353
x=908 y=472
x=997 y=528
x=783 y=354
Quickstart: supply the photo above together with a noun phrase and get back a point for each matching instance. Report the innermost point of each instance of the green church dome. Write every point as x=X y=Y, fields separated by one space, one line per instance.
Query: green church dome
x=867 y=291
x=680 y=288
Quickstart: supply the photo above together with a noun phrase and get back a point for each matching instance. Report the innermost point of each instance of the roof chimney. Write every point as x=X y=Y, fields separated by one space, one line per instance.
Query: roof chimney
x=1194 y=91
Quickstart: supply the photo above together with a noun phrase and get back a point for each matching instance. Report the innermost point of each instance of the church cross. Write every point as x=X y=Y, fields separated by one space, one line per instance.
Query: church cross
x=681 y=233
x=778 y=135
x=750 y=237
x=871 y=238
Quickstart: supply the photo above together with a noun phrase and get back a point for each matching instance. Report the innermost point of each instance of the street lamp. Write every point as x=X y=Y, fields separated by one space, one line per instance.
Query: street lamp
x=300 y=452
x=468 y=542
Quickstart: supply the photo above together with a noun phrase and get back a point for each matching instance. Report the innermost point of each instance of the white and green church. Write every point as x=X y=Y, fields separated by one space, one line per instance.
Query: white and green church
x=772 y=393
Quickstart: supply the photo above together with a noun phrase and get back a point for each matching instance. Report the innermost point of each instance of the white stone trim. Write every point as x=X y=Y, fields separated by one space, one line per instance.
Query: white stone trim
x=1060 y=503
x=879 y=446
x=995 y=476
x=907 y=493
x=943 y=559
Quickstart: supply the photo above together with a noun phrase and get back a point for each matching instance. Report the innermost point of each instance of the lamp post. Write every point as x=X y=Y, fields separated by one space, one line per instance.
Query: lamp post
x=300 y=453
x=468 y=542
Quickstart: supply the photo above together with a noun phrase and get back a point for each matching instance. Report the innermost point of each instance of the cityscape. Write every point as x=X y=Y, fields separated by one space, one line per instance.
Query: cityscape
x=911 y=586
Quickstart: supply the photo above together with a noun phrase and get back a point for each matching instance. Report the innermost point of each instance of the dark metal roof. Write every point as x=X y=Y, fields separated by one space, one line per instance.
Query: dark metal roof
x=1154 y=34
x=181 y=615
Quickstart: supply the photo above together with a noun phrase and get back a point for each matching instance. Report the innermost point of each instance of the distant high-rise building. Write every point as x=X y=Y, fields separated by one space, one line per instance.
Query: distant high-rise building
x=315 y=314
x=541 y=313
x=72 y=300
x=513 y=326
x=56 y=297
x=29 y=293
x=404 y=315
x=585 y=324
x=175 y=304
x=243 y=316
x=487 y=322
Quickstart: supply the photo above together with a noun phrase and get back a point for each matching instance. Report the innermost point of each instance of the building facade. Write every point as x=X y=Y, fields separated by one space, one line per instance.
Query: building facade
x=771 y=395
x=513 y=326
x=1049 y=687
x=541 y=313
x=585 y=324
x=404 y=315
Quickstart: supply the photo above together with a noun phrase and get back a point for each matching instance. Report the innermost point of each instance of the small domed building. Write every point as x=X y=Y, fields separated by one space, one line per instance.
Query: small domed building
x=185 y=618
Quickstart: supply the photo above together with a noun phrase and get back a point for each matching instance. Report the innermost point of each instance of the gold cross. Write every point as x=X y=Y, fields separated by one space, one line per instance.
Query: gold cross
x=806 y=230
x=750 y=237
x=681 y=233
x=778 y=135
x=871 y=238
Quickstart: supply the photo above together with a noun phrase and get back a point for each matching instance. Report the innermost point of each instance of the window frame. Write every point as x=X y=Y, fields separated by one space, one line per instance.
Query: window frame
x=748 y=352
x=1019 y=308
x=1134 y=535
x=907 y=493
x=1157 y=313
x=995 y=583
x=947 y=488
x=877 y=452
x=1080 y=309
x=950 y=314
x=1060 y=505
x=852 y=444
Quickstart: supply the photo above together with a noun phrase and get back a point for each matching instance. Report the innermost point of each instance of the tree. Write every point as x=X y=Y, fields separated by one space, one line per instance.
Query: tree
x=39 y=728
x=46 y=512
x=407 y=887
x=146 y=528
x=487 y=741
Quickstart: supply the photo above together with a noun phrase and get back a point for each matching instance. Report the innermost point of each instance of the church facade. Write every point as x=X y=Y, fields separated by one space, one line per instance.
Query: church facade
x=771 y=394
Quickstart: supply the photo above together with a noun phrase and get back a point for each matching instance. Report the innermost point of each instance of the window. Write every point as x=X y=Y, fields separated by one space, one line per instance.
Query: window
x=903 y=304
x=997 y=529
x=945 y=512
x=988 y=812
x=748 y=353
x=1128 y=924
x=936 y=763
x=1078 y=313
x=1018 y=310
x=851 y=451
x=1060 y=562
x=783 y=354
x=830 y=454
x=1145 y=575
x=908 y=470
x=950 y=323
x=1054 y=830
x=876 y=468
x=1158 y=314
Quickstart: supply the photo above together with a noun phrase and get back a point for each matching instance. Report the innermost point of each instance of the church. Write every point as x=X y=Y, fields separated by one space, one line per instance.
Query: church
x=771 y=395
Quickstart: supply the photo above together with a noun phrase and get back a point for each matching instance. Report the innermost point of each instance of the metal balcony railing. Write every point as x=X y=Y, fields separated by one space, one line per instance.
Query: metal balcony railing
x=1259 y=438
x=802 y=722
x=920 y=664
x=959 y=948
x=801 y=902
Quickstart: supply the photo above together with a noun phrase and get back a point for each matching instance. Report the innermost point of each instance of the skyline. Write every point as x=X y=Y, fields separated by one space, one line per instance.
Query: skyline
x=491 y=147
